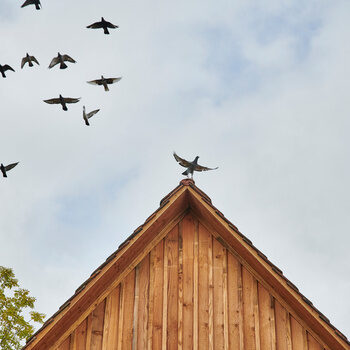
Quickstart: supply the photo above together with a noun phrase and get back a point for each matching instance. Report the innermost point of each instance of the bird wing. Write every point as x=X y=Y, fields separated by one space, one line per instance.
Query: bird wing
x=34 y=59
x=54 y=61
x=181 y=161
x=7 y=67
x=24 y=61
x=10 y=166
x=95 y=82
x=28 y=2
x=203 y=168
x=71 y=100
x=112 y=80
x=90 y=114
x=95 y=25
x=52 y=101
x=68 y=58
x=111 y=25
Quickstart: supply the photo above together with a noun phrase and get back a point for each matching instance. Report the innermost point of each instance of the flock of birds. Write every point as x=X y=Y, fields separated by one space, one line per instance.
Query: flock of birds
x=61 y=60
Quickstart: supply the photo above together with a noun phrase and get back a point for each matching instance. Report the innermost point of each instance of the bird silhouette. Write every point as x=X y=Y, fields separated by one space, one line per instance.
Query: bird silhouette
x=104 y=81
x=61 y=59
x=62 y=101
x=87 y=116
x=4 y=68
x=5 y=169
x=29 y=59
x=191 y=166
x=102 y=24
x=32 y=2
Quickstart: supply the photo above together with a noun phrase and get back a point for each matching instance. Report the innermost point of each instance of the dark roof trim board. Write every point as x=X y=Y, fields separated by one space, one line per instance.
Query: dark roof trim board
x=186 y=196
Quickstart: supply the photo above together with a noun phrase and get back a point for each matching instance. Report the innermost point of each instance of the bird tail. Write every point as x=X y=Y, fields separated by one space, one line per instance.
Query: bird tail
x=64 y=107
x=87 y=122
x=4 y=174
x=106 y=87
x=105 y=30
x=30 y=64
x=63 y=65
x=185 y=172
x=3 y=74
x=37 y=6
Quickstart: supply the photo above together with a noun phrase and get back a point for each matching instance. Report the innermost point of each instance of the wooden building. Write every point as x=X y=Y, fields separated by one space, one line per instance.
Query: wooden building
x=188 y=279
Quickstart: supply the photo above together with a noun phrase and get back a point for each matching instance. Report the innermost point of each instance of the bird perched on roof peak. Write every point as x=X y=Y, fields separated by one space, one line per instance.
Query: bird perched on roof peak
x=4 y=169
x=191 y=166
x=102 y=24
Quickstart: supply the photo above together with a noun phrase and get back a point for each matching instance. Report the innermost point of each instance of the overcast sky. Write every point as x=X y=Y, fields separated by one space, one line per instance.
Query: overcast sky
x=260 y=90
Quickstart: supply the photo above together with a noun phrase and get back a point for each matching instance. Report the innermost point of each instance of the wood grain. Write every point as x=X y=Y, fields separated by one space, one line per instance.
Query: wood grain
x=297 y=335
x=128 y=301
x=80 y=336
x=203 y=287
x=188 y=275
x=97 y=326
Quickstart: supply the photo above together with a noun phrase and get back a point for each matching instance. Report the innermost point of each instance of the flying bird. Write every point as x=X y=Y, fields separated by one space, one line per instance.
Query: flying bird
x=29 y=59
x=88 y=115
x=32 y=2
x=63 y=101
x=5 y=169
x=102 y=24
x=191 y=166
x=104 y=81
x=4 y=68
x=61 y=59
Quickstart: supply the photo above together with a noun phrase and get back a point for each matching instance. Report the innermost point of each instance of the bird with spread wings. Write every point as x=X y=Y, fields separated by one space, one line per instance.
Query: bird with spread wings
x=191 y=166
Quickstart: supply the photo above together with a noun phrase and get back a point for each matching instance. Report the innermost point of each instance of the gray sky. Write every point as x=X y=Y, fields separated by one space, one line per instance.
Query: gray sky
x=259 y=90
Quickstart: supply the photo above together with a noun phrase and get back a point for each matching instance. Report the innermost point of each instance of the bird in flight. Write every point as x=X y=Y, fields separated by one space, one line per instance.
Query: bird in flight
x=4 y=68
x=191 y=166
x=5 y=169
x=87 y=116
x=29 y=59
x=61 y=59
x=103 y=24
x=104 y=81
x=62 y=101
x=32 y=2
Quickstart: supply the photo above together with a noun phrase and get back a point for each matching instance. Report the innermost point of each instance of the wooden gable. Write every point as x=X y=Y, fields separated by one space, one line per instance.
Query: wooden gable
x=188 y=279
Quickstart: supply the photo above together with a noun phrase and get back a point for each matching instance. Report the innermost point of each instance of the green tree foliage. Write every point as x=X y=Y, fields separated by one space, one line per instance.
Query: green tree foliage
x=14 y=303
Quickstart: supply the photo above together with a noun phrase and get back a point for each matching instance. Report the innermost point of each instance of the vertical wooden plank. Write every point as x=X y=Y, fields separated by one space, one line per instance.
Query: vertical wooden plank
x=73 y=341
x=97 y=326
x=211 y=293
x=165 y=297
x=289 y=331
x=256 y=315
x=266 y=319
x=188 y=258
x=203 y=287
x=121 y=315
x=65 y=345
x=225 y=297
x=218 y=263
x=128 y=313
x=172 y=245
x=181 y=289
x=248 y=309
x=110 y=328
x=281 y=329
x=235 y=303
x=195 y=286
x=143 y=303
x=312 y=343
x=297 y=335
x=80 y=336
x=89 y=331
x=136 y=307
x=156 y=297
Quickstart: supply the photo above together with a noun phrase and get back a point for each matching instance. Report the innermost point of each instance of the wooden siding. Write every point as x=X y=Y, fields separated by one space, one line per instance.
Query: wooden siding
x=190 y=292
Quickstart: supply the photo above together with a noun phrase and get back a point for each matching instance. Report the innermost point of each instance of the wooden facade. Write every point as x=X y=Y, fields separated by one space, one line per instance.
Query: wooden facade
x=187 y=289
